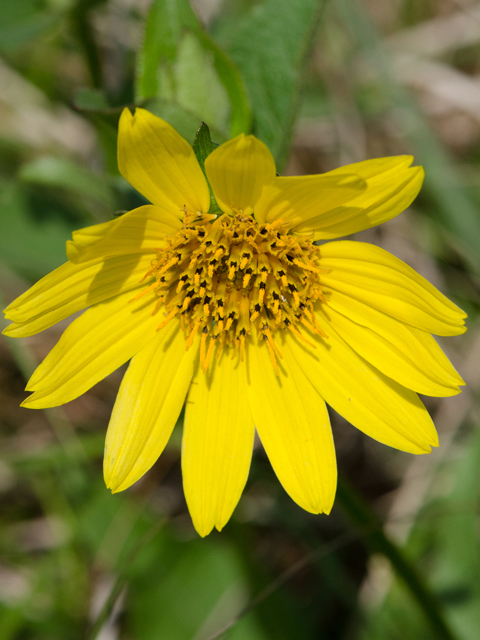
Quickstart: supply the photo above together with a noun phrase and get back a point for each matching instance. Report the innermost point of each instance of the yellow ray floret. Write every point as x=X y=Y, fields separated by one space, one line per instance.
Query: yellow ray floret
x=217 y=444
x=149 y=402
x=245 y=316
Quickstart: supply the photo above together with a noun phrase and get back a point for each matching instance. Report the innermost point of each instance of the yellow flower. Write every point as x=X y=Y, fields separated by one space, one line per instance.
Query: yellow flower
x=245 y=317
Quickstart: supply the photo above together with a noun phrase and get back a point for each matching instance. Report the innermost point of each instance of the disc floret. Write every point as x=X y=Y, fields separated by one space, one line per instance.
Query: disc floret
x=229 y=277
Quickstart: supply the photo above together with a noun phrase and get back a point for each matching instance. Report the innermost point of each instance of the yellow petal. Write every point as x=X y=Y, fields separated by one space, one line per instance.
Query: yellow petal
x=142 y=230
x=103 y=338
x=217 y=444
x=160 y=164
x=238 y=170
x=303 y=199
x=392 y=185
x=377 y=278
x=372 y=402
x=148 y=404
x=294 y=427
x=71 y=288
x=408 y=355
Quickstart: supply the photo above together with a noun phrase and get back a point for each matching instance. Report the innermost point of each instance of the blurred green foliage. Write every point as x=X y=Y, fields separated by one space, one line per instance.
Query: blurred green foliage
x=77 y=562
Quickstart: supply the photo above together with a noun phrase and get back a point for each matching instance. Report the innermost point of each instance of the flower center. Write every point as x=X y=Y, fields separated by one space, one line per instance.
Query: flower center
x=228 y=277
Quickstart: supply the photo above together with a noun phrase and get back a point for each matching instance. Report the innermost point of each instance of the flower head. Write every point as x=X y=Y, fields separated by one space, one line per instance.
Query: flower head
x=243 y=315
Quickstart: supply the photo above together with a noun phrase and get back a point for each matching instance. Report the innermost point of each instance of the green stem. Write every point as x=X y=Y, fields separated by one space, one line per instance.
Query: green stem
x=121 y=581
x=86 y=38
x=362 y=515
x=107 y=608
x=283 y=153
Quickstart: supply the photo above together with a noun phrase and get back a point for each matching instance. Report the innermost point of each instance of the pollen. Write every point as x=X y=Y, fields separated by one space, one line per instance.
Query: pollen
x=229 y=278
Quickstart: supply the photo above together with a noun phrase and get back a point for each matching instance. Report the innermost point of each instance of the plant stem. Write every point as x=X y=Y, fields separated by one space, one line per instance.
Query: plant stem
x=83 y=29
x=362 y=515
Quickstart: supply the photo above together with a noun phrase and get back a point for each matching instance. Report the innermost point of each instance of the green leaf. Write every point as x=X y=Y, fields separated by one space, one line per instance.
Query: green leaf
x=164 y=26
x=196 y=85
x=203 y=577
x=241 y=115
x=179 y=61
x=444 y=543
x=29 y=246
x=21 y=21
x=456 y=210
x=90 y=100
x=455 y=538
x=203 y=147
x=181 y=119
x=364 y=517
x=53 y=455
x=58 y=172
x=282 y=37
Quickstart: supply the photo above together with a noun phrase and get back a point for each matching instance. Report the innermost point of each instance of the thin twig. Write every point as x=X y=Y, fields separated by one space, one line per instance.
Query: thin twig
x=318 y=553
x=121 y=581
x=324 y=550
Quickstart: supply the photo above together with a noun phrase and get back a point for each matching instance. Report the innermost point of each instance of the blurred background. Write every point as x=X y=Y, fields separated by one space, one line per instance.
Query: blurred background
x=323 y=84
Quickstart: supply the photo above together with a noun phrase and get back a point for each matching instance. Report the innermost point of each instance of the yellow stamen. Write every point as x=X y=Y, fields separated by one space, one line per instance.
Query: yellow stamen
x=172 y=313
x=169 y=264
x=192 y=335
x=209 y=354
x=306 y=266
x=299 y=335
x=272 y=357
x=144 y=292
x=272 y=342
x=313 y=328
x=203 y=342
x=180 y=285
x=149 y=273
x=237 y=345
x=228 y=277
x=242 y=348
